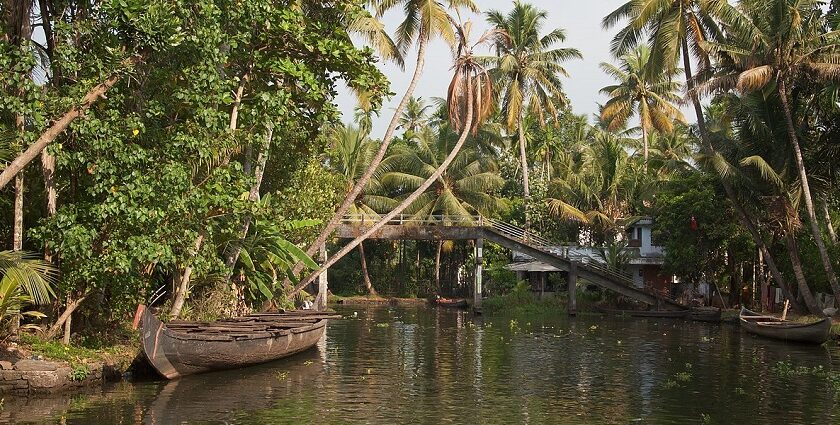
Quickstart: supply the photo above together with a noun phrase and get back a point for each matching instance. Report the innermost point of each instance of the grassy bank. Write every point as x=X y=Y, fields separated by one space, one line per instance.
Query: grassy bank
x=118 y=350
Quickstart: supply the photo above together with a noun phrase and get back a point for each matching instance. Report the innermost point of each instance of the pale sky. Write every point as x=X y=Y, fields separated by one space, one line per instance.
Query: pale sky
x=580 y=19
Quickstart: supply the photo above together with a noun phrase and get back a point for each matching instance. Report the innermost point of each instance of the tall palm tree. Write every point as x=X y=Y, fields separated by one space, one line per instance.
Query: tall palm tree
x=641 y=91
x=779 y=42
x=467 y=188
x=466 y=98
x=680 y=29
x=352 y=151
x=424 y=20
x=528 y=71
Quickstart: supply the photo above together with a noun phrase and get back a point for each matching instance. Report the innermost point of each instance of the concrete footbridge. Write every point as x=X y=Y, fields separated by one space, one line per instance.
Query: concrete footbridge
x=516 y=239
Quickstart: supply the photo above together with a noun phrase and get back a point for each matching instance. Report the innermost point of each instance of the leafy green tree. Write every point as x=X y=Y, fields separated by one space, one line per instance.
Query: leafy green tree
x=527 y=73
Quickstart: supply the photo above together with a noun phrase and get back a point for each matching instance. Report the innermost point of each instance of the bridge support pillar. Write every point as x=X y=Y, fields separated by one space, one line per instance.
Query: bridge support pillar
x=479 y=260
x=572 y=287
x=321 y=298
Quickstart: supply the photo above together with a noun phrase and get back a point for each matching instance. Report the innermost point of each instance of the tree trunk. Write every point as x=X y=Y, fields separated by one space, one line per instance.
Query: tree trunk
x=17 y=237
x=72 y=305
x=232 y=252
x=526 y=184
x=708 y=150
x=645 y=148
x=54 y=130
x=796 y=263
x=806 y=193
x=365 y=276
x=408 y=201
x=351 y=196
x=437 y=267
x=831 y=233
x=180 y=295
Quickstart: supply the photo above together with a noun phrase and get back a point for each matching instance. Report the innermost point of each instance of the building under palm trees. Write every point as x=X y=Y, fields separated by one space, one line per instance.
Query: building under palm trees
x=636 y=254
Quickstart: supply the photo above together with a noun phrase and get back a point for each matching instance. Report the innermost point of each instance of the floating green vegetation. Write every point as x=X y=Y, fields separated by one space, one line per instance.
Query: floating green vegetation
x=383 y=325
x=788 y=370
x=282 y=376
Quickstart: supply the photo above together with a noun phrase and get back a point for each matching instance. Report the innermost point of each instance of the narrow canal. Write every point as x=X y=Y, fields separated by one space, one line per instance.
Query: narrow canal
x=424 y=365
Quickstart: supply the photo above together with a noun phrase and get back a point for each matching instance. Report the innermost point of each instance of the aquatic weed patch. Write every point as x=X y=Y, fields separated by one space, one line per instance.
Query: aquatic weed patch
x=788 y=370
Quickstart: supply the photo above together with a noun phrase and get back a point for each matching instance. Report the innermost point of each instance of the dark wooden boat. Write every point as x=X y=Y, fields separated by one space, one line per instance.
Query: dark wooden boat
x=665 y=314
x=183 y=348
x=773 y=327
x=705 y=314
x=449 y=302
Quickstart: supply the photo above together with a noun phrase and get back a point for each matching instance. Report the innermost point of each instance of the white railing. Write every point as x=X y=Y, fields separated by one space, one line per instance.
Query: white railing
x=412 y=220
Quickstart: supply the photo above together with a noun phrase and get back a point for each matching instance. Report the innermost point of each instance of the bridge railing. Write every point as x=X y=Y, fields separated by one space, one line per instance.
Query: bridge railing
x=412 y=220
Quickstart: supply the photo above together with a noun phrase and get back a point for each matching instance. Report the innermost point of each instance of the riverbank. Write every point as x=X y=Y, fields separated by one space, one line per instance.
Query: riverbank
x=36 y=366
x=371 y=300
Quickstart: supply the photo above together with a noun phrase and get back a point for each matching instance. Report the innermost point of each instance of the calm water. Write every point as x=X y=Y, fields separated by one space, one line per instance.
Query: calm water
x=424 y=365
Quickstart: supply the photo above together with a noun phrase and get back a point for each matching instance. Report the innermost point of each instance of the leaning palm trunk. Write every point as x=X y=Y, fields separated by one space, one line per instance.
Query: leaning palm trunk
x=802 y=284
x=806 y=192
x=437 y=267
x=365 y=276
x=709 y=151
x=831 y=233
x=467 y=127
x=351 y=196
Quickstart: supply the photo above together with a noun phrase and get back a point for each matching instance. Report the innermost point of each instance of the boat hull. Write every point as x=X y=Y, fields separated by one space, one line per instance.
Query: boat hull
x=175 y=354
x=811 y=333
x=705 y=314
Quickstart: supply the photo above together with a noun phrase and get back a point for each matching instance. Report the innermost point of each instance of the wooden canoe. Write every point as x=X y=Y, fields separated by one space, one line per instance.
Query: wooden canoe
x=665 y=314
x=773 y=327
x=705 y=314
x=182 y=348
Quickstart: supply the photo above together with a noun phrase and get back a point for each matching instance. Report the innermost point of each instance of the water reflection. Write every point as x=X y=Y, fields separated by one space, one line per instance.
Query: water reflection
x=419 y=365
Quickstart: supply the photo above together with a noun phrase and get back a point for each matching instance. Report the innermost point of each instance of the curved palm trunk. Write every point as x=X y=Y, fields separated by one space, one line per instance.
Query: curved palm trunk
x=526 y=186
x=365 y=275
x=407 y=201
x=351 y=196
x=743 y=217
x=806 y=193
x=802 y=284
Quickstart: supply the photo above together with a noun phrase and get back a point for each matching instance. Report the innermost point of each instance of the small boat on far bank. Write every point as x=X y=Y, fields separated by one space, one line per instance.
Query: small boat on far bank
x=665 y=314
x=773 y=327
x=705 y=314
x=180 y=348
x=450 y=302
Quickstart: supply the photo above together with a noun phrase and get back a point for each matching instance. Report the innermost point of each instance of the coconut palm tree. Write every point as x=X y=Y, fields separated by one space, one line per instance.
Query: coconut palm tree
x=466 y=98
x=528 y=71
x=352 y=151
x=415 y=116
x=643 y=92
x=424 y=20
x=467 y=188
x=598 y=187
x=775 y=44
